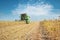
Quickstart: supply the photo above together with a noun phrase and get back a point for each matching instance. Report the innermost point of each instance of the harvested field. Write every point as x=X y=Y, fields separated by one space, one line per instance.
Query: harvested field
x=16 y=30
x=44 y=30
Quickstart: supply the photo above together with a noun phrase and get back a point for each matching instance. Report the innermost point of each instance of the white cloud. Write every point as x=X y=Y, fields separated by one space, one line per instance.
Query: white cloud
x=39 y=9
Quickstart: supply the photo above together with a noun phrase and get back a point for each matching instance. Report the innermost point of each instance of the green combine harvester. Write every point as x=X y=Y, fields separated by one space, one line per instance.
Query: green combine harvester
x=25 y=17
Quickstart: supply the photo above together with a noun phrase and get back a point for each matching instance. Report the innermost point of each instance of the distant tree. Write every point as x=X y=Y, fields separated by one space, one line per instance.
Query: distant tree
x=16 y=20
x=59 y=17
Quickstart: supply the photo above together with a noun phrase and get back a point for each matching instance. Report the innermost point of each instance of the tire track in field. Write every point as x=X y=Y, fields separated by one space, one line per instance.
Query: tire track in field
x=18 y=33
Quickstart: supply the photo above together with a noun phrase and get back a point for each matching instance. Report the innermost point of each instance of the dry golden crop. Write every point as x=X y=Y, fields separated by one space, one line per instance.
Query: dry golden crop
x=52 y=28
x=43 y=30
x=17 y=30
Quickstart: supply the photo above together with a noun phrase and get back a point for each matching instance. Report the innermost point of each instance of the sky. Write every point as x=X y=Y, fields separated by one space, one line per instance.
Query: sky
x=36 y=9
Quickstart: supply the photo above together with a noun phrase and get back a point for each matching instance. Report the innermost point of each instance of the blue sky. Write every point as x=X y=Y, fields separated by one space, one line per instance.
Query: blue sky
x=36 y=9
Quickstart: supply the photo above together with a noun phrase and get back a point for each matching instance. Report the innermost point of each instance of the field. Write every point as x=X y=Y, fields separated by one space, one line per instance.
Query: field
x=43 y=30
x=16 y=30
x=51 y=29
